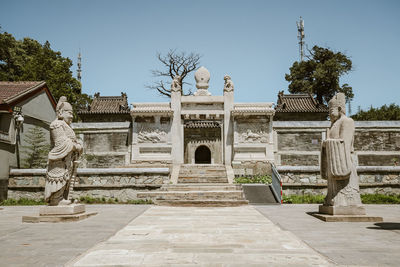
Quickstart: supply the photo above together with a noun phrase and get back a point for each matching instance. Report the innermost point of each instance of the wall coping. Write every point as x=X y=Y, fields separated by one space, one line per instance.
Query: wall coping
x=85 y=171
x=362 y=169
x=326 y=124
x=100 y=125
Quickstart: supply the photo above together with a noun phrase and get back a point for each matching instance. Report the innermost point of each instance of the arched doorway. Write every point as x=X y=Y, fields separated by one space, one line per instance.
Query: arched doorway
x=202 y=155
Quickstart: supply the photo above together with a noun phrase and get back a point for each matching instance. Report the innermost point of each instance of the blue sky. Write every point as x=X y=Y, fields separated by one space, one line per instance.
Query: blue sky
x=253 y=41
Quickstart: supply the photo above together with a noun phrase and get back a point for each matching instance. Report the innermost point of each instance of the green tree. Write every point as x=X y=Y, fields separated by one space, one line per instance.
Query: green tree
x=319 y=74
x=384 y=113
x=28 y=60
x=37 y=149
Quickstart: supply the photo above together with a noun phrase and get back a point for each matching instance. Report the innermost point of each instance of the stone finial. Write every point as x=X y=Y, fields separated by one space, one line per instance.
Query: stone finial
x=176 y=84
x=228 y=86
x=202 y=77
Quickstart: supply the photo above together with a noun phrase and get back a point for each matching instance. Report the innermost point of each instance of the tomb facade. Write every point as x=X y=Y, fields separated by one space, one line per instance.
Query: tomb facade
x=202 y=128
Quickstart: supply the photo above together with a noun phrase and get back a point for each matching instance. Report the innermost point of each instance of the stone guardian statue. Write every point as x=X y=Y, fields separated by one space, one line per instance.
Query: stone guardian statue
x=65 y=151
x=338 y=165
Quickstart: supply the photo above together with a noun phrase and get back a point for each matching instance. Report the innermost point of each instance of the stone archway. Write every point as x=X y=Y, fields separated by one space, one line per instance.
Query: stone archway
x=202 y=155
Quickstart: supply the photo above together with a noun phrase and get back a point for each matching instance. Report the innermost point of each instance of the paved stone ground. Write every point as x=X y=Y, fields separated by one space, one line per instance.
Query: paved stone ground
x=54 y=244
x=188 y=236
x=366 y=244
x=212 y=236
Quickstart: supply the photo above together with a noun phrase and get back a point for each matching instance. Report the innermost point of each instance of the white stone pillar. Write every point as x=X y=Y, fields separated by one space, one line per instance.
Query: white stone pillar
x=228 y=126
x=176 y=128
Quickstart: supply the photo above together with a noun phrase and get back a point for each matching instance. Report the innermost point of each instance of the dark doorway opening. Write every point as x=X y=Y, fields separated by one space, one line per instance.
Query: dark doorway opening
x=202 y=155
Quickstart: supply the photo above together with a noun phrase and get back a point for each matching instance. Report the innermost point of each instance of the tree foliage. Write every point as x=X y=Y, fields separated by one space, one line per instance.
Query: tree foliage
x=384 y=113
x=28 y=60
x=174 y=63
x=37 y=149
x=320 y=74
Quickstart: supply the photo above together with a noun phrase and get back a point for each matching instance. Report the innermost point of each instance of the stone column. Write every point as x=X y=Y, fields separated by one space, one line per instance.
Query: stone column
x=270 y=145
x=228 y=120
x=176 y=127
x=4 y=172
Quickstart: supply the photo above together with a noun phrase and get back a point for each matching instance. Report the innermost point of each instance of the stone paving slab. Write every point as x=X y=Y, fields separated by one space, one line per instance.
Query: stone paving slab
x=347 y=243
x=54 y=244
x=201 y=236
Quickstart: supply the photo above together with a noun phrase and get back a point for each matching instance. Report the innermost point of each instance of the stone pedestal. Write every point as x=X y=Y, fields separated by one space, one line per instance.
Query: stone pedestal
x=344 y=214
x=62 y=209
x=342 y=210
x=62 y=213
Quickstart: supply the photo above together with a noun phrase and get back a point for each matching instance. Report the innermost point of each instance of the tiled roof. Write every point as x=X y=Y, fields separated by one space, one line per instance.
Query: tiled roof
x=253 y=108
x=299 y=103
x=10 y=91
x=202 y=124
x=107 y=105
x=140 y=108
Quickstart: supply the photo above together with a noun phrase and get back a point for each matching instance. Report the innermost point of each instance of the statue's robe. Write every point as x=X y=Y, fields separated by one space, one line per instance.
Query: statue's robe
x=60 y=164
x=338 y=165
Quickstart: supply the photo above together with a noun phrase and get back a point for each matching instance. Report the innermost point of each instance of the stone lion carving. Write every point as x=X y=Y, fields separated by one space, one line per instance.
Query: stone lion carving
x=65 y=150
x=251 y=133
x=176 y=84
x=337 y=165
x=152 y=136
x=228 y=86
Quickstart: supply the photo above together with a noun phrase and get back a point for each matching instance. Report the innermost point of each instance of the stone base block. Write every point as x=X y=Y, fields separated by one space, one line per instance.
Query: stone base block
x=57 y=218
x=346 y=218
x=342 y=210
x=62 y=209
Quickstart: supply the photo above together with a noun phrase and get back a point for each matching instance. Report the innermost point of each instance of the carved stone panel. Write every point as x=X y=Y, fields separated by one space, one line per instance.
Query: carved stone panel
x=152 y=134
x=251 y=132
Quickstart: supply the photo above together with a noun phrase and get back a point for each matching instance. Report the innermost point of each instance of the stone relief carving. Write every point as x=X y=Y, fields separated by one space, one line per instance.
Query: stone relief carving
x=63 y=156
x=251 y=133
x=337 y=164
x=228 y=86
x=152 y=135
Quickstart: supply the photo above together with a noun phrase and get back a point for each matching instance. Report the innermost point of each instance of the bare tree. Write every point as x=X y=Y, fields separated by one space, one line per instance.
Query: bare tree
x=174 y=63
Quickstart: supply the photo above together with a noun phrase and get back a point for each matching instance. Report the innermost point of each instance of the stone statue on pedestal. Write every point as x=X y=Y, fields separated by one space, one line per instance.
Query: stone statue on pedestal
x=228 y=86
x=338 y=165
x=176 y=84
x=65 y=151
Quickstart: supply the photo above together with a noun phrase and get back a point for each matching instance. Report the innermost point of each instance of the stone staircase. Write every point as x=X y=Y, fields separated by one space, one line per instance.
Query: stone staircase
x=199 y=185
x=202 y=173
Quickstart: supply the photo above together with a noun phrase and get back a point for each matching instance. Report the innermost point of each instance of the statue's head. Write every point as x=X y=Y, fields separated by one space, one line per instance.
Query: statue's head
x=227 y=77
x=337 y=106
x=64 y=110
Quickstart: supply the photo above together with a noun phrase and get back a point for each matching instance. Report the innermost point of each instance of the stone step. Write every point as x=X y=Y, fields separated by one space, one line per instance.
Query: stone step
x=202 y=203
x=201 y=187
x=192 y=180
x=192 y=195
x=203 y=174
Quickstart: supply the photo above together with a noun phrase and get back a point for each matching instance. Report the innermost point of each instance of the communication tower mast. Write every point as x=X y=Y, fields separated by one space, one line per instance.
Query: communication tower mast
x=79 y=71
x=300 y=36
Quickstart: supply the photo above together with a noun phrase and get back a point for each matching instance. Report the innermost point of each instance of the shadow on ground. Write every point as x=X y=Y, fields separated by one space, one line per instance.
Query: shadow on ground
x=386 y=226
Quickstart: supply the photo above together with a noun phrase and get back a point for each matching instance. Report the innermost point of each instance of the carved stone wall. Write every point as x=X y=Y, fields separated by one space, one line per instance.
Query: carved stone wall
x=151 y=139
x=297 y=143
x=152 y=129
x=251 y=129
x=105 y=145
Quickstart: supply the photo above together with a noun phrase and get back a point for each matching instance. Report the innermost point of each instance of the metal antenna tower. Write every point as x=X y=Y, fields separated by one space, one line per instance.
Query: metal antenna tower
x=79 y=71
x=301 y=36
